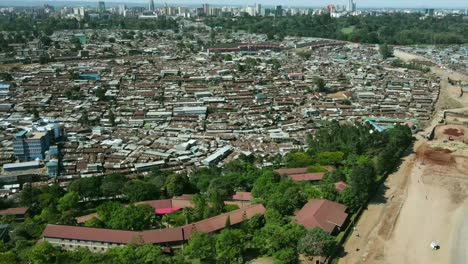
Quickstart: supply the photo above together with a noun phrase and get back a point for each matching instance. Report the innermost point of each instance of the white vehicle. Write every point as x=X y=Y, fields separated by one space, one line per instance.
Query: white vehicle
x=434 y=245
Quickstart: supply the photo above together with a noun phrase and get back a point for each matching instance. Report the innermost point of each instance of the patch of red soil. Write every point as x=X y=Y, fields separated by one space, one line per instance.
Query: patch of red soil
x=435 y=156
x=453 y=132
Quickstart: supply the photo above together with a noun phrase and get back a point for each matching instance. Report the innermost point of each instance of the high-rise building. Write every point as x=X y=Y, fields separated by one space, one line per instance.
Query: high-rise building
x=279 y=10
x=351 y=6
x=258 y=9
x=429 y=11
x=250 y=10
x=206 y=9
x=79 y=11
x=30 y=146
x=122 y=9
x=101 y=7
x=151 y=5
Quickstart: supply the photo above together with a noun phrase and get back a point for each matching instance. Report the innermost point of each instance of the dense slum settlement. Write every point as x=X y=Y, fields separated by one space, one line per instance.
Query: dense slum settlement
x=130 y=104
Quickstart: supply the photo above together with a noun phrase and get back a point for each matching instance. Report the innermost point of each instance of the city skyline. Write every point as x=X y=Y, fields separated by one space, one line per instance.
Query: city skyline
x=450 y=4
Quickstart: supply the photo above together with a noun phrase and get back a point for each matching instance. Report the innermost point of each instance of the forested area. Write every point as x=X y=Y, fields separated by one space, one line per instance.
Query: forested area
x=391 y=28
x=360 y=156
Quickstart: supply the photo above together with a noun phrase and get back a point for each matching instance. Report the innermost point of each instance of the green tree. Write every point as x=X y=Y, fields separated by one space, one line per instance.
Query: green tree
x=42 y=253
x=313 y=192
x=86 y=188
x=298 y=159
x=106 y=210
x=328 y=191
x=138 y=190
x=229 y=246
x=386 y=51
x=201 y=246
x=265 y=184
x=29 y=195
x=101 y=93
x=285 y=255
x=112 y=185
x=5 y=76
x=111 y=118
x=133 y=217
x=8 y=257
x=317 y=242
x=68 y=202
x=320 y=84
x=94 y=222
x=315 y=168
x=273 y=238
x=286 y=197
x=329 y=158
x=177 y=184
x=43 y=60
x=304 y=54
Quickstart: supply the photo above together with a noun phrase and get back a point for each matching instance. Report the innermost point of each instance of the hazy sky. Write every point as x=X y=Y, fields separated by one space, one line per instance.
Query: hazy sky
x=314 y=3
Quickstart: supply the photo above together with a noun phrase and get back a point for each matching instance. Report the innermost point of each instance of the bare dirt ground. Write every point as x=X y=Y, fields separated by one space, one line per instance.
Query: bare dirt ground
x=423 y=201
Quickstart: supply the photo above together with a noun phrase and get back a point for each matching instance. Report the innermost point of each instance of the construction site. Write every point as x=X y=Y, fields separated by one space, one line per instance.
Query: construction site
x=423 y=203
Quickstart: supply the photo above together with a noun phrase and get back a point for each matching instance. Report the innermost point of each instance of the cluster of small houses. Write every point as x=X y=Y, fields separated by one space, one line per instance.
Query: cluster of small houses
x=452 y=57
x=177 y=111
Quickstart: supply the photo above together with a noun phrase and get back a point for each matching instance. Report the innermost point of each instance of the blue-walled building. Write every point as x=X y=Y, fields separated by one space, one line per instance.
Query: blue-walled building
x=30 y=146
x=52 y=168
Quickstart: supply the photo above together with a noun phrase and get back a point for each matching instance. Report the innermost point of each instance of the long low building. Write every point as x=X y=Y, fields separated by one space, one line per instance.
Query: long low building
x=100 y=239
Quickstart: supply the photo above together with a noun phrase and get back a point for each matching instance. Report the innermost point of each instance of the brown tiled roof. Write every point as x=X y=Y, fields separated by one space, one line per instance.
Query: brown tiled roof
x=291 y=171
x=158 y=203
x=340 y=186
x=321 y=213
x=89 y=234
x=218 y=222
x=242 y=196
x=152 y=236
x=316 y=176
x=14 y=211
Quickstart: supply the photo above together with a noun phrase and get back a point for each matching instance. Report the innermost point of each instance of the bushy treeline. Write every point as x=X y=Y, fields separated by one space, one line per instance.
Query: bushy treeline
x=396 y=28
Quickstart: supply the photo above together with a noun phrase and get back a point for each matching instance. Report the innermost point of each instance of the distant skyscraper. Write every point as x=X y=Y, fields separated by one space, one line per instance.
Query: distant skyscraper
x=151 y=5
x=279 y=10
x=101 y=7
x=258 y=9
x=206 y=9
x=122 y=9
x=351 y=6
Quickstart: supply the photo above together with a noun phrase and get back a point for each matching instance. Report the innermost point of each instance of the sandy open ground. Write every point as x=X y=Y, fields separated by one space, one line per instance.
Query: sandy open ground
x=423 y=201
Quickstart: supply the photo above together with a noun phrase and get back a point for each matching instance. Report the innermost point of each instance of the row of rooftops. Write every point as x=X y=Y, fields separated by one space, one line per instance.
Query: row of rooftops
x=316 y=213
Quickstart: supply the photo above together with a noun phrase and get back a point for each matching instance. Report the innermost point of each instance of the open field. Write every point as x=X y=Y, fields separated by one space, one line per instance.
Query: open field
x=424 y=200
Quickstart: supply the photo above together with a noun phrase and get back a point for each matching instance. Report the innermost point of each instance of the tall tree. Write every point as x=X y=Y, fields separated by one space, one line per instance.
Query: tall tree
x=317 y=242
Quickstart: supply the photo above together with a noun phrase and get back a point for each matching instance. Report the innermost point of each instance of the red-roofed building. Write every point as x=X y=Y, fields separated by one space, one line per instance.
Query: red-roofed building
x=18 y=212
x=316 y=176
x=340 y=186
x=322 y=213
x=291 y=171
x=242 y=196
x=294 y=171
x=100 y=239
x=168 y=210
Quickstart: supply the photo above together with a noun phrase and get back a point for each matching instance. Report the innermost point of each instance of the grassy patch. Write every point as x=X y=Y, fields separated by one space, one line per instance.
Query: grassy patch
x=347 y=30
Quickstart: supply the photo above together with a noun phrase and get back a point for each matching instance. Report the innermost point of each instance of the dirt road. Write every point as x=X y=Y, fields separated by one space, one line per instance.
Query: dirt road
x=424 y=201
